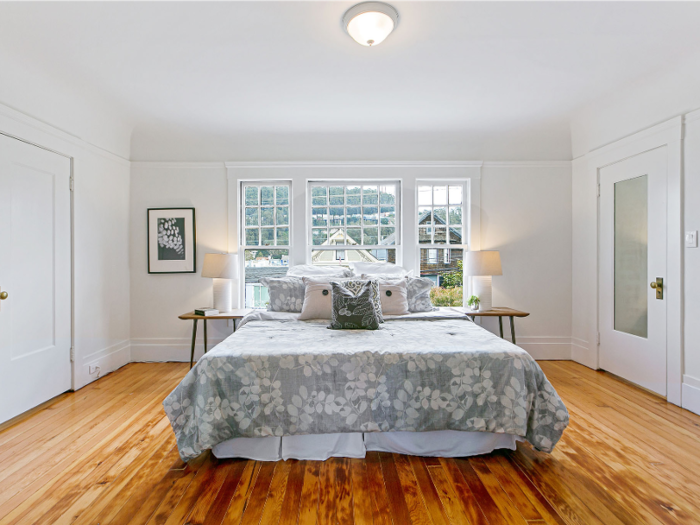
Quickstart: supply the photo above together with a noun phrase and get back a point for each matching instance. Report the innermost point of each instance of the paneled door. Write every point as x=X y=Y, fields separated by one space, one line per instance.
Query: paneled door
x=35 y=276
x=631 y=293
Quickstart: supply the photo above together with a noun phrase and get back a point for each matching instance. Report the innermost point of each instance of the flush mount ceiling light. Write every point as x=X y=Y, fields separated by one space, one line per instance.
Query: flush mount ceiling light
x=369 y=23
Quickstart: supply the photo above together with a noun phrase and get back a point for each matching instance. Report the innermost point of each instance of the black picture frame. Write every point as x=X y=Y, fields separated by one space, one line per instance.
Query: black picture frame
x=162 y=259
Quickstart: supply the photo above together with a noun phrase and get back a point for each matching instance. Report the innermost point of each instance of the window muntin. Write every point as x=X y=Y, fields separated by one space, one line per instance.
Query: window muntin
x=266 y=218
x=265 y=226
x=441 y=239
x=441 y=214
x=353 y=214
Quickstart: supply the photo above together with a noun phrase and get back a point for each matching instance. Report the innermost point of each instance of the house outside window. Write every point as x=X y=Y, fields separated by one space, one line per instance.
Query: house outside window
x=441 y=228
x=361 y=217
x=265 y=227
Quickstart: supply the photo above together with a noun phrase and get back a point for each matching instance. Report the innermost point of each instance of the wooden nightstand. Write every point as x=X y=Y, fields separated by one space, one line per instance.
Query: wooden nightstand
x=190 y=316
x=500 y=313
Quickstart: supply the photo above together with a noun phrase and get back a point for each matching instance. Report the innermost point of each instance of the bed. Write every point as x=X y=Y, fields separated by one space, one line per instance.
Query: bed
x=425 y=384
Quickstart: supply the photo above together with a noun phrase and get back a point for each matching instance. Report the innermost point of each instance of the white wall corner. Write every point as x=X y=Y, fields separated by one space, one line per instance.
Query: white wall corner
x=108 y=360
x=691 y=394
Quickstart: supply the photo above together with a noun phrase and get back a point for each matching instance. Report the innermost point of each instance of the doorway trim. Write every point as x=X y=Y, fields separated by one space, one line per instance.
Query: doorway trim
x=668 y=134
x=72 y=246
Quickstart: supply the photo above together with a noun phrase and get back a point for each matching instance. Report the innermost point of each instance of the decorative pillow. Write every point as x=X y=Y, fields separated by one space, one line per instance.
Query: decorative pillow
x=310 y=270
x=394 y=297
x=354 y=309
x=380 y=268
x=286 y=293
x=317 y=296
x=417 y=293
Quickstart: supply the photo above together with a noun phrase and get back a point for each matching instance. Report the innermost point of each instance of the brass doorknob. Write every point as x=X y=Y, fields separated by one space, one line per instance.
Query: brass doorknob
x=653 y=284
x=656 y=285
x=3 y=296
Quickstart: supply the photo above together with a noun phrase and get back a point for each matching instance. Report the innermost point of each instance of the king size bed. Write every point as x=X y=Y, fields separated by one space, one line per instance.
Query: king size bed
x=433 y=384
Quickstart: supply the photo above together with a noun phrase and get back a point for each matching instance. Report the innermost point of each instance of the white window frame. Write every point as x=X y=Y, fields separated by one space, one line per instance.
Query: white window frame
x=467 y=224
x=242 y=247
x=310 y=248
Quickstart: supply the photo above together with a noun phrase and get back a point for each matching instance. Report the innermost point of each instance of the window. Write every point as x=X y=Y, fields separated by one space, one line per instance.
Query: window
x=265 y=220
x=441 y=242
x=364 y=216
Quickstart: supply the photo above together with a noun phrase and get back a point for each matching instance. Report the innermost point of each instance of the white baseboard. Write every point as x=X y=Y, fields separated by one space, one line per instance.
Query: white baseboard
x=582 y=354
x=108 y=360
x=546 y=348
x=164 y=350
x=690 y=394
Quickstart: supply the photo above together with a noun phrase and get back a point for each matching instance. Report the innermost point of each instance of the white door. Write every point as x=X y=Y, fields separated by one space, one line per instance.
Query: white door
x=633 y=255
x=35 y=276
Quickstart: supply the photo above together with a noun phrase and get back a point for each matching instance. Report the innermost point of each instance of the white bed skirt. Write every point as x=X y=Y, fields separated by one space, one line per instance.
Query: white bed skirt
x=443 y=443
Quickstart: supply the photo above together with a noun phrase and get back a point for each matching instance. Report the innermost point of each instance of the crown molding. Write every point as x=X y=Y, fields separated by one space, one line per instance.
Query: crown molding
x=356 y=164
x=692 y=116
x=527 y=164
x=58 y=133
x=177 y=165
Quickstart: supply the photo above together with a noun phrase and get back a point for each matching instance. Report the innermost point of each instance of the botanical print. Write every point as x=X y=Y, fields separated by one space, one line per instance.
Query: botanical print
x=171 y=239
x=279 y=378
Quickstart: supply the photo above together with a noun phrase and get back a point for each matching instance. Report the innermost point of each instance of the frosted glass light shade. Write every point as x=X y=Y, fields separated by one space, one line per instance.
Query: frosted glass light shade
x=482 y=263
x=220 y=265
x=369 y=23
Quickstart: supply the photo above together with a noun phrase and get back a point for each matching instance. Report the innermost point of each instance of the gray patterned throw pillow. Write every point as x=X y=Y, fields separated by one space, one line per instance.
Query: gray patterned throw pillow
x=419 y=294
x=286 y=293
x=355 y=286
x=354 y=309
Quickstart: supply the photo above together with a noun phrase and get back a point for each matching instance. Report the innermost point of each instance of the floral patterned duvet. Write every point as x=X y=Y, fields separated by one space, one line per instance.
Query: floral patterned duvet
x=280 y=378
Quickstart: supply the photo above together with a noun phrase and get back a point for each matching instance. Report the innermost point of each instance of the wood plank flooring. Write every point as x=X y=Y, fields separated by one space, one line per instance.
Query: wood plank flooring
x=106 y=455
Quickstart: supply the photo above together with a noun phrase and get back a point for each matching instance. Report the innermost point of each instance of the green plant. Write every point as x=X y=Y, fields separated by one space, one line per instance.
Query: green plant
x=446 y=296
x=453 y=279
x=473 y=302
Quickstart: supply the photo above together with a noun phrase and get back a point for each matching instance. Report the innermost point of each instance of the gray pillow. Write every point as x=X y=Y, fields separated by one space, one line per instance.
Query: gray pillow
x=354 y=309
x=419 y=294
x=355 y=286
x=286 y=293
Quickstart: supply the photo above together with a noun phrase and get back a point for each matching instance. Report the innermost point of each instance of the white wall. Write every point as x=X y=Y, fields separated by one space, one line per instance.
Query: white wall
x=524 y=212
x=101 y=330
x=157 y=300
x=691 y=377
x=526 y=215
x=634 y=109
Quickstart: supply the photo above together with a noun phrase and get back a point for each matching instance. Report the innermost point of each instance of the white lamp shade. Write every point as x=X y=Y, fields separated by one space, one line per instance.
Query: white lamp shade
x=482 y=263
x=220 y=266
x=369 y=23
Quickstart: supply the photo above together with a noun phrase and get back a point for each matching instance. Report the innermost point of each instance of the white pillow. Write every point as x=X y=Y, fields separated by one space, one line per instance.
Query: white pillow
x=310 y=270
x=394 y=297
x=380 y=268
x=317 y=304
x=417 y=294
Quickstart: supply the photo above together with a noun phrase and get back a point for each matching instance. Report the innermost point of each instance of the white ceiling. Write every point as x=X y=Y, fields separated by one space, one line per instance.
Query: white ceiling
x=281 y=80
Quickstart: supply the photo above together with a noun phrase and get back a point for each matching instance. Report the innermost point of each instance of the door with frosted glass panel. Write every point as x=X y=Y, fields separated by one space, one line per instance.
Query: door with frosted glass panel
x=632 y=294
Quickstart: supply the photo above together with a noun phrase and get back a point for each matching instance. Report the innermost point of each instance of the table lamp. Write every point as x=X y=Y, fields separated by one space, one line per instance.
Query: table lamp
x=481 y=266
x=223 y=268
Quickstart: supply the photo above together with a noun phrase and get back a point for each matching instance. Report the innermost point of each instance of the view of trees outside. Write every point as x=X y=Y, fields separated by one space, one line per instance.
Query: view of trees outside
x=362 y=214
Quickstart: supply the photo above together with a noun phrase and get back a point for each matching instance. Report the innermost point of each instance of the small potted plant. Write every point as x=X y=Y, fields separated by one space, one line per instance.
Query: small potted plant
x=473 y=303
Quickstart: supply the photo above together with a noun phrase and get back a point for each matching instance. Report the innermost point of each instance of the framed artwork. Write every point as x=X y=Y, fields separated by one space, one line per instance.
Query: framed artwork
x=172 y=245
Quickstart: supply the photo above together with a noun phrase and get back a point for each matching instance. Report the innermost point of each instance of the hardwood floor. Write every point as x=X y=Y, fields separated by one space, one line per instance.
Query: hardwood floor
x=106 y=455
